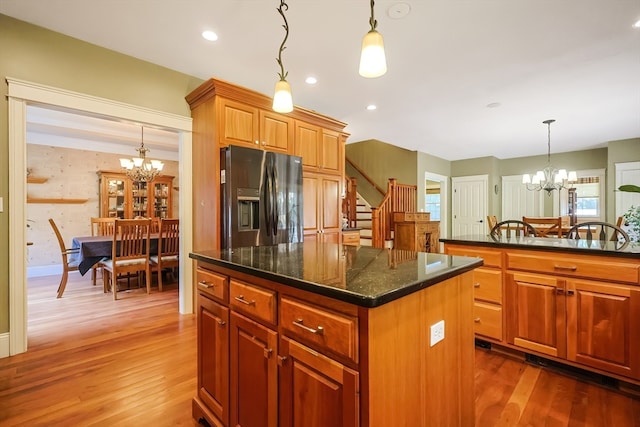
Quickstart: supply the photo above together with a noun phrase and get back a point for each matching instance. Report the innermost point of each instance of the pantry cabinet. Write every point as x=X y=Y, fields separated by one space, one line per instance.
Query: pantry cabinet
x=121 y=197
x=322 y=213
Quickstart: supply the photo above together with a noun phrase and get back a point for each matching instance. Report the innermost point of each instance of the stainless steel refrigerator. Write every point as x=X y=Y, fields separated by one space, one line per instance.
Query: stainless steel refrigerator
x=261 y=197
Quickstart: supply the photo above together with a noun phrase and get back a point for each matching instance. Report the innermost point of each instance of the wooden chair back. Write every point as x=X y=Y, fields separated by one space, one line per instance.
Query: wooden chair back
x=513 y=228
x=492 y=220
x=545 y=226
x=102 y=226
x=168 y=248
x=67 y=264
x=129 y=253
x=599 y=231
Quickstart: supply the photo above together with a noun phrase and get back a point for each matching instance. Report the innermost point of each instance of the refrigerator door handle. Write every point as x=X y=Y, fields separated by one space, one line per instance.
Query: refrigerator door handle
x=274 y=193
x=267 y=198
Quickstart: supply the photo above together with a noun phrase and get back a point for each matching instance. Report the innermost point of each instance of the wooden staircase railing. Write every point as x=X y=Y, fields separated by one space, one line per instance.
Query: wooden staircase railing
x=350 y=200
x=399 y=198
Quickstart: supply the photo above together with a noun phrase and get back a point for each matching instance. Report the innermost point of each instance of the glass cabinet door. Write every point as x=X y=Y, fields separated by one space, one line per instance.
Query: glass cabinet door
x=161 y=201
x=116 y=198
x=140 y=198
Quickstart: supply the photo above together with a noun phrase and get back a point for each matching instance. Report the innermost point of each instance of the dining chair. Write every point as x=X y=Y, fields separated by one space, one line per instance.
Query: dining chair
x=168 y=248
x=513 y=226
x=545 y=226
x=599 y=231
x=492 y=220
x=101 y=226
x=67 y=263
x=129 y=253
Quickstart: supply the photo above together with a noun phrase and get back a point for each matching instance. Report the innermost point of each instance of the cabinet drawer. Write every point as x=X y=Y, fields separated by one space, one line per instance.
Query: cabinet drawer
x=319 y=327
x=253 y=300
x=487 y=320
x=351 y=237
x=575 y=266
x=490 y=258
x=212 y=284
x=487 y=285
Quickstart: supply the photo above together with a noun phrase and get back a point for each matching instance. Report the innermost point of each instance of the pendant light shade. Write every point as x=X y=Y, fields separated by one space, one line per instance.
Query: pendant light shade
x=282 y=100
x=373 y=62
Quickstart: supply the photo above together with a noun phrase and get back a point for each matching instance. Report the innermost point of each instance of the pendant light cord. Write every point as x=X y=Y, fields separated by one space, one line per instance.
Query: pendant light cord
x=372 y=20
x=284 y=7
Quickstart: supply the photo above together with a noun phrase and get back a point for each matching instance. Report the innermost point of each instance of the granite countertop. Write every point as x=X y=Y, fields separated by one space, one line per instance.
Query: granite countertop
x=581 y=246
x=360 y=275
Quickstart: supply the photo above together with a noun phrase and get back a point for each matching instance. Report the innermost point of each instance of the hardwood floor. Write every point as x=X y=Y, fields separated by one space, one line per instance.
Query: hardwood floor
x=132 y=362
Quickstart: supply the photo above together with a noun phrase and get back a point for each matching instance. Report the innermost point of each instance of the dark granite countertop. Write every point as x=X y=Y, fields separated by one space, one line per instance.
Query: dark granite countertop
x=581 y=246
x=370 y=277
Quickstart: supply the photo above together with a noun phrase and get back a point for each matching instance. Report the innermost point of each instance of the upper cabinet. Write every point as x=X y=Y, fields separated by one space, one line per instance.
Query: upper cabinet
x=322 y=150
x=254 y=127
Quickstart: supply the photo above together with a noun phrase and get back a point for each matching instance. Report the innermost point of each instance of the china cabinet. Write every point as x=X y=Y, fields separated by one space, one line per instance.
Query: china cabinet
x=120 y=197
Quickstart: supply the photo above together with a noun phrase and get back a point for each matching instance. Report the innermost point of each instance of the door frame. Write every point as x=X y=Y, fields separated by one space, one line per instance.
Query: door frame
x=22 y=93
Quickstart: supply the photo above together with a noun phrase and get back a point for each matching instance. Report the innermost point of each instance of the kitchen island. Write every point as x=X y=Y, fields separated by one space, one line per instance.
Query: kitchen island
x=319 y=334
x=574 y=302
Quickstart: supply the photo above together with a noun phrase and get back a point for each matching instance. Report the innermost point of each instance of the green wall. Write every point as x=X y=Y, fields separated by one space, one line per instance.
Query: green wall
x=35 y=54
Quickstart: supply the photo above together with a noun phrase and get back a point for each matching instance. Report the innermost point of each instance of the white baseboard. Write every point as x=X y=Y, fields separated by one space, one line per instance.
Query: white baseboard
x=44 y=270
x=4 y=345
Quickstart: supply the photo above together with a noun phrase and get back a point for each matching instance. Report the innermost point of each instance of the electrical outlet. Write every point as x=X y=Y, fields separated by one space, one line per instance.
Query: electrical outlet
x=437 y=333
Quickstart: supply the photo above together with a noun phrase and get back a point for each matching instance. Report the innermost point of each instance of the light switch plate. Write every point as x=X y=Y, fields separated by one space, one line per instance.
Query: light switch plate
x=1 y=204
x=437 y=333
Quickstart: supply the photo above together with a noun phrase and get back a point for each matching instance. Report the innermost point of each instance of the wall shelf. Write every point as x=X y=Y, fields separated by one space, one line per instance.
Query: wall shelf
x=56 y=201
x=36 y=180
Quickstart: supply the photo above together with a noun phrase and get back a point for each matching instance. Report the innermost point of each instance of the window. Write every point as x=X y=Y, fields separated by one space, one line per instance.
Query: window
x=587 y=201
x=432 y=203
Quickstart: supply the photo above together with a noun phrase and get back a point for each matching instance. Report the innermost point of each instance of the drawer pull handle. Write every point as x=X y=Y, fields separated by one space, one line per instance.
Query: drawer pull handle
x=477 y=320
x=205 y=285
x=244 y=301
x=476 y=285
x=300 y=323
x=563 y=267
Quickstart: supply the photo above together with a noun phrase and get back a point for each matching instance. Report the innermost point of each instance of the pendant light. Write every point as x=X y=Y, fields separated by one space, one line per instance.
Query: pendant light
x=373 y=62
x=282 y=100
x=549 y=178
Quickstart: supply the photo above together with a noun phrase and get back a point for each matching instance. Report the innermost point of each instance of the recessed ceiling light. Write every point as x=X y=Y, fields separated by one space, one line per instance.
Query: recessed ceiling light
x=371 y=107
x=494 y=105
x=311 y=80
x=637 y=24
x=210 y=35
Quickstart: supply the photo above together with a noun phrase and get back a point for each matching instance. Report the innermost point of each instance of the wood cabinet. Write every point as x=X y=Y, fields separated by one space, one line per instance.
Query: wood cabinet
x=351 y=237
x=487 y=290
x=297 y=358
x=413 y=231
x=226 y=114
x=322 y=212
x=120 y=197
x=253 y=127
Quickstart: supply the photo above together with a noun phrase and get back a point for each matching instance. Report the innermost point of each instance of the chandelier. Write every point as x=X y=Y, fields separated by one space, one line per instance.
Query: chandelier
x=139 y=169
x=549 y=178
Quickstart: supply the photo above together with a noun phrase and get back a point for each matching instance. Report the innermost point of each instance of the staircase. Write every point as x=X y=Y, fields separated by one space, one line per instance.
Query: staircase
x=363 y=221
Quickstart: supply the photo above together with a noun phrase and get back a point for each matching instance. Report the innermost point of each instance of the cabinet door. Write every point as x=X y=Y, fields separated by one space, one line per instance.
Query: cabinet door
x=160 y=207
x=239 y=124
x=311 y=206
x=140 y=199
x=535 y=308
x=276 y=132
x=307 y=145
x=213 y=357
x=331 y=213
x=114 y=196
x=254 y=374
x=603 y=328
x=331 y=152
x=316 y=391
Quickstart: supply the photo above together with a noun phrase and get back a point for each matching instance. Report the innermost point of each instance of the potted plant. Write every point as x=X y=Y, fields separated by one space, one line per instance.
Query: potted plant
x=632 y=216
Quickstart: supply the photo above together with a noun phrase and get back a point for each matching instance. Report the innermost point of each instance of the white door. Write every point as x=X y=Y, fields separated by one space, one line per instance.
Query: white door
x=626 y=173
x=469 y=205
x=517 y=201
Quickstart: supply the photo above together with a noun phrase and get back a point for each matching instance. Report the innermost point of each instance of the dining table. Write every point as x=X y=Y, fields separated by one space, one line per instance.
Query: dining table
x=93 y=249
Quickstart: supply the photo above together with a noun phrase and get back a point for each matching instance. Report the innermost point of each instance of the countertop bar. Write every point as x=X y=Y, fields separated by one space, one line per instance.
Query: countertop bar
x=370 y=277
x=581 y=246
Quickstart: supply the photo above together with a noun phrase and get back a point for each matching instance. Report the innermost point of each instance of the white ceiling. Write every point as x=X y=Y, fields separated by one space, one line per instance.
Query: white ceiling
x=576 y=61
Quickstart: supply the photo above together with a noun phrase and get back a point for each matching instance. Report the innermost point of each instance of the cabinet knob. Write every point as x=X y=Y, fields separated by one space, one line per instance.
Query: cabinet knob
x=477 y=320
x=221 y=322
x=476 y=285
x=282 y=360
x=559 y=291
x=257 y=142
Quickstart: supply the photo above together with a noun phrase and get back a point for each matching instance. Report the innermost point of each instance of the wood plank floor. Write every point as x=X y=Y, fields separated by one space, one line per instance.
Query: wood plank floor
x=132 y=362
